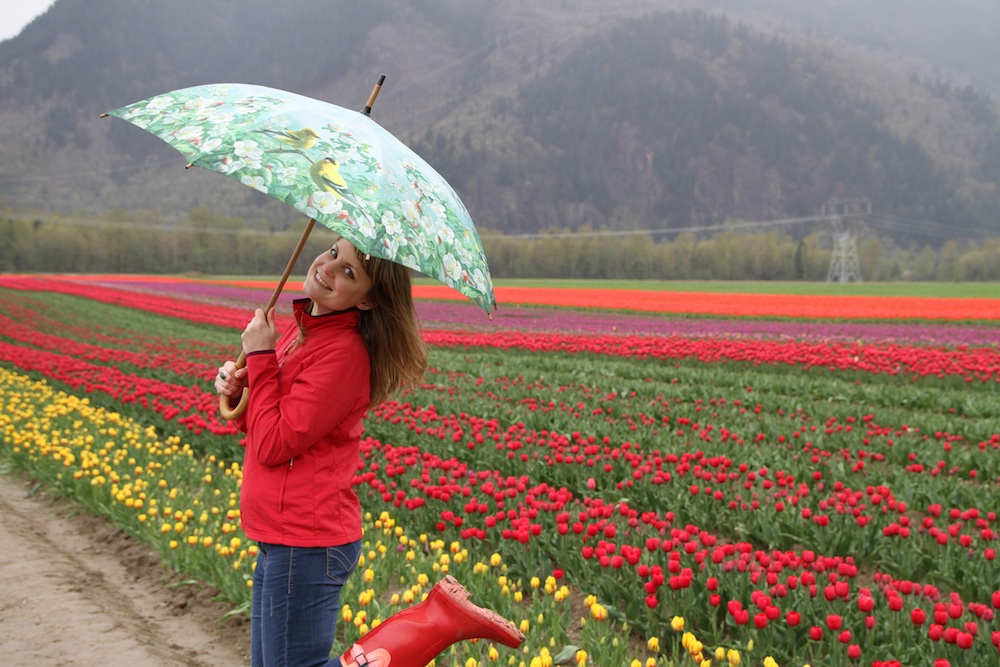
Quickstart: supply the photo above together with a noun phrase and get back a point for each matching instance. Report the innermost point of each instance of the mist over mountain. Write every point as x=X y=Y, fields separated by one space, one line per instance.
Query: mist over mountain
x=569 y=114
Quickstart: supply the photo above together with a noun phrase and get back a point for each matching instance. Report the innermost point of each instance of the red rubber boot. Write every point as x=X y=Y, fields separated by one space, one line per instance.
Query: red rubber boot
x=416 y=635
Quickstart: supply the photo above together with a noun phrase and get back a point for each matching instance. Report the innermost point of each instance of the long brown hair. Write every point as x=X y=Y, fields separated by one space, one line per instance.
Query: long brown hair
x=390 y=329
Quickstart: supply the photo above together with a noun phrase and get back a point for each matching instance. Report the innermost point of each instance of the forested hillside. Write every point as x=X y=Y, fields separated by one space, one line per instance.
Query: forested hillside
x=720 y=122
x=544 y=115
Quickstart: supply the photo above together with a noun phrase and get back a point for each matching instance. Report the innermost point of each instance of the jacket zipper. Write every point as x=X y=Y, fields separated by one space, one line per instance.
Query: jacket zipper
x=284 y=484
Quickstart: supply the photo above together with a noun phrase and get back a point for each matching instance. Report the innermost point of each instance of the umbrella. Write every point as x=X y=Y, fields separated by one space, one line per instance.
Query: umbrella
x=336 y=166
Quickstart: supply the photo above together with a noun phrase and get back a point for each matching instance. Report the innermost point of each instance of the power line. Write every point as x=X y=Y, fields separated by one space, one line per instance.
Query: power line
x=673 y=230
x=925 y=227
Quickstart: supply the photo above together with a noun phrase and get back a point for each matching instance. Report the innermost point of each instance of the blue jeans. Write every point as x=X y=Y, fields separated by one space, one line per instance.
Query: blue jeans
x=295 y=603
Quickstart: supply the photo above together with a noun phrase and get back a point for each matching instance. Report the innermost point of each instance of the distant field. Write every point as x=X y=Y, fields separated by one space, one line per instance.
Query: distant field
x=945 y=290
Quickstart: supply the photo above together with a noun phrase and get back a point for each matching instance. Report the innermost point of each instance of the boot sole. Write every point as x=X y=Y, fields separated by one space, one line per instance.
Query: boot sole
x=506 y=632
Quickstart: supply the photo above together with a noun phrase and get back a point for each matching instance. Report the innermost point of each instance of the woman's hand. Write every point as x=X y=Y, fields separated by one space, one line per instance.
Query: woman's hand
x=229 y=381
x=260 y=333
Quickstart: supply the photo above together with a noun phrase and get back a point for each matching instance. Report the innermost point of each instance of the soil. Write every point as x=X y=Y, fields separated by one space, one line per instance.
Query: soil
x=75 y=590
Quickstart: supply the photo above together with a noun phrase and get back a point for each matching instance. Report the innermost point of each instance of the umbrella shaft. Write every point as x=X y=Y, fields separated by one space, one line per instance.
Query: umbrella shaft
x=241 y=361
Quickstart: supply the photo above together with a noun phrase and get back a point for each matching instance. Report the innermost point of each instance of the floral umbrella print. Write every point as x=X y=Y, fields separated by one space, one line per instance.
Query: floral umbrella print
x=337 y=166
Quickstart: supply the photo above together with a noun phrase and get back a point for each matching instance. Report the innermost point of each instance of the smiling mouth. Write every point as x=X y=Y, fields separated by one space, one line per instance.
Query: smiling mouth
x=322 y=282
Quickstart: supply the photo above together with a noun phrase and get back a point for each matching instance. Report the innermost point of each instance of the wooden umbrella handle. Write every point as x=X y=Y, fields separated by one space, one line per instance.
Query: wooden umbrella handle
x=228 y=413
x=224 y=409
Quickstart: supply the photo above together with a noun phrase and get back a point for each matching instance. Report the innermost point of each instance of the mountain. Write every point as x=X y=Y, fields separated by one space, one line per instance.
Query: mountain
x=544 y=114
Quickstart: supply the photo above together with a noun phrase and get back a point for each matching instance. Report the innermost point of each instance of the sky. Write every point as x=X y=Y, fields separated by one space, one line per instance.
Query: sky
x=18 y=13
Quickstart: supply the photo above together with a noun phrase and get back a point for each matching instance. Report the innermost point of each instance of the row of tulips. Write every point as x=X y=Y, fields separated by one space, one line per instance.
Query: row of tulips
x=745 y=305
x=602 y=522
x=447 y=314
x=697 y=303
x=971 y=363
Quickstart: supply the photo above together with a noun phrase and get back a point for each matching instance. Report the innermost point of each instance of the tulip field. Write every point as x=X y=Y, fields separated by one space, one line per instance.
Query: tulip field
x=720 y=479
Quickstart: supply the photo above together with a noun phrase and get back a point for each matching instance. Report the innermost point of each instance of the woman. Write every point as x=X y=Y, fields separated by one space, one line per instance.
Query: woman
x=355 y=341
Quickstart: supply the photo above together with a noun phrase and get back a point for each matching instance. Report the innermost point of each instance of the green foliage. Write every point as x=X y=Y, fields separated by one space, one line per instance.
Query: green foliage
x=142 y=242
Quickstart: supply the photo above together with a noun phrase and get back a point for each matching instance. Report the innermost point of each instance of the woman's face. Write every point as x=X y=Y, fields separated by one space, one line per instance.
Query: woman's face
x=337 y=280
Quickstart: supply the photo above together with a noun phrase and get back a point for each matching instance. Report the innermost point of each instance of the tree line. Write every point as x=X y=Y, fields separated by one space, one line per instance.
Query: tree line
x=206 y=244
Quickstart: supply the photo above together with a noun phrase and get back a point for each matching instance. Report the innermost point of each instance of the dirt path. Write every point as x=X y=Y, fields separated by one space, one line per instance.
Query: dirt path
x=74 y=590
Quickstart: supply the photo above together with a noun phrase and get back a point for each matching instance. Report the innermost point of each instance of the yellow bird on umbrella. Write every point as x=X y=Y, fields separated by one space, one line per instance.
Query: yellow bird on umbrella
x=326 y=175
x=302 y=139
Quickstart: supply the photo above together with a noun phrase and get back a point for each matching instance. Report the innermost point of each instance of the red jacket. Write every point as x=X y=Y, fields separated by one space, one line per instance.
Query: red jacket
x=303 y=425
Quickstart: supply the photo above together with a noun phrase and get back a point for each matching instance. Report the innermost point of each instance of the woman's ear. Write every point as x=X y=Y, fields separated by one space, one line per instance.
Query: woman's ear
x=365 y=304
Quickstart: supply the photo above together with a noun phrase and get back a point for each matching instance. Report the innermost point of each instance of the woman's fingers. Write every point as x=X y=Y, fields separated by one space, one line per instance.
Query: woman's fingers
x=230 y=380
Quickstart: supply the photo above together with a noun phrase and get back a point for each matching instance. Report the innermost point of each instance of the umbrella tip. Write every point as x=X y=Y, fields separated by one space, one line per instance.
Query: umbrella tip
x=371 y=98
x=104 y=115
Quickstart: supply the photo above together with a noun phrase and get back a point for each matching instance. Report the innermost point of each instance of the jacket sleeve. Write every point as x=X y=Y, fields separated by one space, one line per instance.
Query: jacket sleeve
x=325 y=392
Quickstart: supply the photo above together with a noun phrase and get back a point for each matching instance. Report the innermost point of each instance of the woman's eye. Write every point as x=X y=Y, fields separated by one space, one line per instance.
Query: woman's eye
x=333 y=252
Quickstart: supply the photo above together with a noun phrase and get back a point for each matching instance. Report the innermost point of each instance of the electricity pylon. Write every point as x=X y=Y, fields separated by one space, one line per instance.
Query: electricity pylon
x=844 y=264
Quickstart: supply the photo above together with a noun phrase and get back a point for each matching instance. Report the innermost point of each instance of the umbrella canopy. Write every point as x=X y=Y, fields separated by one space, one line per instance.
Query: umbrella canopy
x=337 y=166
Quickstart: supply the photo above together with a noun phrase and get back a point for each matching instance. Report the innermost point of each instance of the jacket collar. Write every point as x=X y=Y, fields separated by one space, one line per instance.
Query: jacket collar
x=349 y=318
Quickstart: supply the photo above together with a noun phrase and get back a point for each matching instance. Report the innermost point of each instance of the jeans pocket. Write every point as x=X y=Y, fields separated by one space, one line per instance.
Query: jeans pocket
x=341 y=561
x=262 y=549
